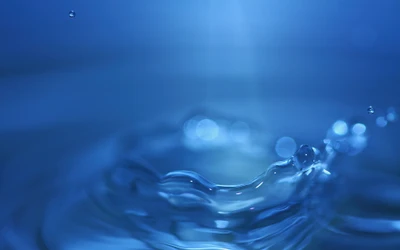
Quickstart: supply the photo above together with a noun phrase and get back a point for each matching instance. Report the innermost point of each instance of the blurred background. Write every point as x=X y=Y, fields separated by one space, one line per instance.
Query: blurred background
x=70 y=85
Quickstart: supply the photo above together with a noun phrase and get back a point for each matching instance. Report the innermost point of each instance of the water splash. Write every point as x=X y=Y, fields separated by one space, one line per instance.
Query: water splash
x=135 y=207
x=182 y=210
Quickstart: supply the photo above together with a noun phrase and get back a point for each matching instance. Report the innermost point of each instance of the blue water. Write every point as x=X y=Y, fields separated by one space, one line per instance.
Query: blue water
x=132 y=206
x=96 y=151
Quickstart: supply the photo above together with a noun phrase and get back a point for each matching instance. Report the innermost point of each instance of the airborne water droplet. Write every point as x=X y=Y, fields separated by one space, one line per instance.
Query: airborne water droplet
x=371 y=110
x=304 y=157
x=71 y=14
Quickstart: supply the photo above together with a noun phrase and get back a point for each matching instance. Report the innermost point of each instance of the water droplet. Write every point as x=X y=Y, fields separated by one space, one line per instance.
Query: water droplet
x=371 y=110
x=381 y=121
x=240 y=132
x=340 y=127
x=71 y=14
x=392 y=115
x=207 y=130
x=304 y=157
x=285 y=147
x=358 y=129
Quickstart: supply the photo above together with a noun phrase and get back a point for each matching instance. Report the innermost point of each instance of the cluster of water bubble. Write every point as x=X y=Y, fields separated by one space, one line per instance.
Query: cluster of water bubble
x=390 y=116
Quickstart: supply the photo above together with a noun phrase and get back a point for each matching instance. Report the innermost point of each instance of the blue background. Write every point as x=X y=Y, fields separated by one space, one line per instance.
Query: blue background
x=67 y=85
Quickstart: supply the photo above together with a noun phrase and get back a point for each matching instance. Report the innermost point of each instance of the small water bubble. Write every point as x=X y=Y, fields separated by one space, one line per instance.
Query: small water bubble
x=371 y=110
x=207 y=129
x=381 y=121
x=340 y=128
x=391 y=115
x=304 y=157
x=358 y=129
x=71 y=14
x=240 y=132
x=285 y=147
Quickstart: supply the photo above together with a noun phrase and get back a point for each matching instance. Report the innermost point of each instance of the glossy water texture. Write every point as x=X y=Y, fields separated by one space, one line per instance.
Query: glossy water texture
x=134 y=207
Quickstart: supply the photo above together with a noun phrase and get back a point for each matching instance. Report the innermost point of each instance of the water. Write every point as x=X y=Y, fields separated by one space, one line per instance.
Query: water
x=72 y=14
x=295 y=68
x=371 y=110
x=134 y=207
x=391 y=114
x=381 y=121
x=285 y=147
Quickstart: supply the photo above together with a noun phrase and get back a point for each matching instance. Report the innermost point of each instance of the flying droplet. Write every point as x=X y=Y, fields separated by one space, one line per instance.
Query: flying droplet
x=304 y=157
x=371 y=110
x=71 y=14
